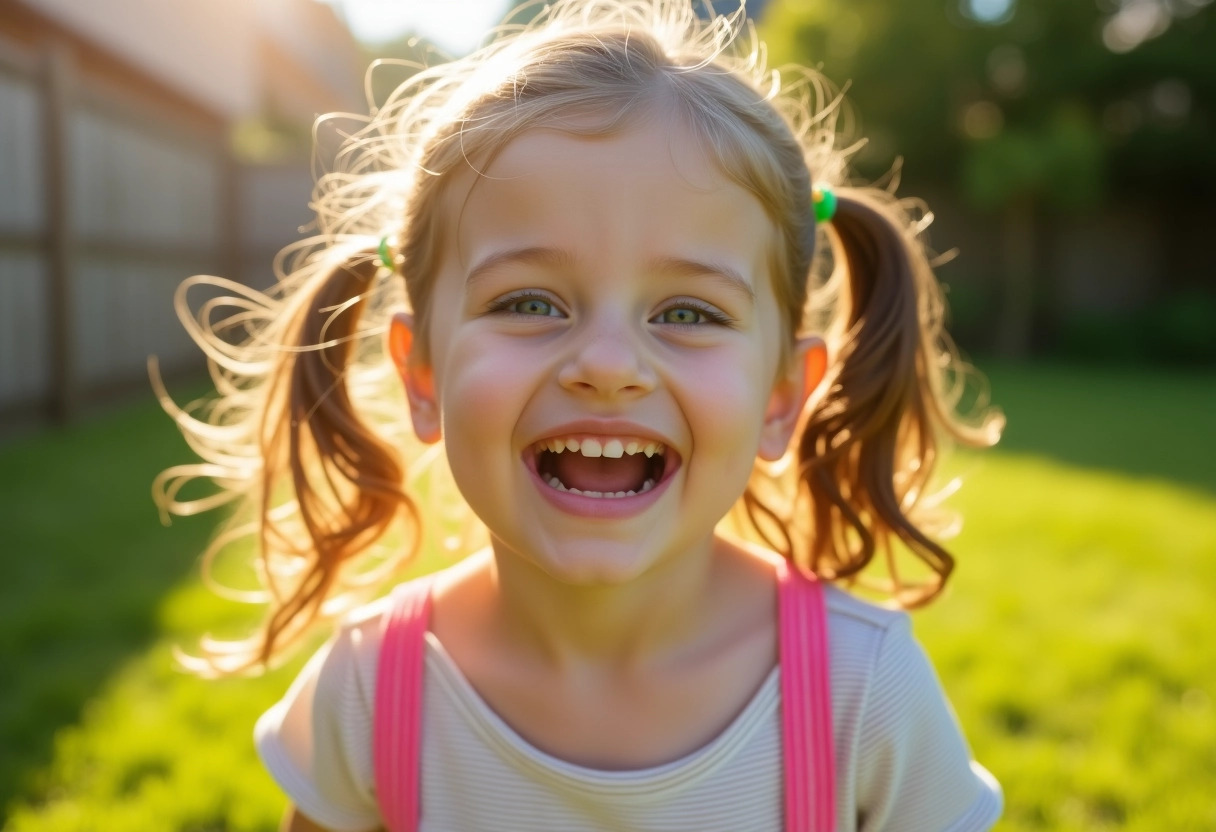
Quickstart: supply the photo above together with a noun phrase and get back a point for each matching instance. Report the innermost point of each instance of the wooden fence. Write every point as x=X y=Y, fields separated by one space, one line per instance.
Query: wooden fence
x=108 y=199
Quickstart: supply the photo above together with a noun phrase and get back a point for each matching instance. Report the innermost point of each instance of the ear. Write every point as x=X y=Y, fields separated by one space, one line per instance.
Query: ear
x=807 y=367
x=416 y=376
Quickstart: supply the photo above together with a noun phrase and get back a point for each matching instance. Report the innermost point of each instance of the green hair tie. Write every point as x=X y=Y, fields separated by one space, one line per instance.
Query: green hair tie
x=823 y=199
x=386 y=255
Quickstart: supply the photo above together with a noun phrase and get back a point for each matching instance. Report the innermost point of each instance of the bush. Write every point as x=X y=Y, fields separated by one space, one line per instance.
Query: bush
x=1179 y=330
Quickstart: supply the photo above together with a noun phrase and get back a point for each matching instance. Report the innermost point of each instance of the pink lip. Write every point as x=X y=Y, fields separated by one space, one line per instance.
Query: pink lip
x=608 y=508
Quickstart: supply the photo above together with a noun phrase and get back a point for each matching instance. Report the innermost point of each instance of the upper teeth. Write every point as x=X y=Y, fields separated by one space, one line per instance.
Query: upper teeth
x=595 y=447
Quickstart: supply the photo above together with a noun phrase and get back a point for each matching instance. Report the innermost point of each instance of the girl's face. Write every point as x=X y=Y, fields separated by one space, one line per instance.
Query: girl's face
x=604 y=349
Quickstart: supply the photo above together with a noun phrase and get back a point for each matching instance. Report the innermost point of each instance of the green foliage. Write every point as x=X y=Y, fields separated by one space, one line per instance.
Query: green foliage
x=1182 y=328
x=1035 y=99
x=1177 y=330
x=1075 y=640
x=1060 y=162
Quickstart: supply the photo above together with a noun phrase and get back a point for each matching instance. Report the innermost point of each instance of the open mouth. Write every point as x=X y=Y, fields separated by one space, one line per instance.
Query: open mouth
x=604 y=467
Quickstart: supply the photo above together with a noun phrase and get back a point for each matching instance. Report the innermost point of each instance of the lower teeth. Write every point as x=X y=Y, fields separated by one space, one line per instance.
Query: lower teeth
x=554 y=482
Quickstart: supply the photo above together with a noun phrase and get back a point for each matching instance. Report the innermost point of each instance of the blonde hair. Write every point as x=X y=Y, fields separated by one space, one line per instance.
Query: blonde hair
x=305 y=434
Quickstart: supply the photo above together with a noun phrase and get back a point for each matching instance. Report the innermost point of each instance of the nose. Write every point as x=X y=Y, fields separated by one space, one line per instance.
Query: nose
x=609 y=361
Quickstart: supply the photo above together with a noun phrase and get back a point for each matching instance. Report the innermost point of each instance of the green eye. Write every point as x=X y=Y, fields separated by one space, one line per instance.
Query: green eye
x=682 y=315
x=533 y=306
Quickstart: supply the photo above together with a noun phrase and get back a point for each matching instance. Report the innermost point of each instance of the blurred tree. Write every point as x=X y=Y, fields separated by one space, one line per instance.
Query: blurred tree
x=1027 y=105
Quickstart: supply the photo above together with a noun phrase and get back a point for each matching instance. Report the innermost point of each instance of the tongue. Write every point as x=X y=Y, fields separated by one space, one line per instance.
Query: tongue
x=606 y=474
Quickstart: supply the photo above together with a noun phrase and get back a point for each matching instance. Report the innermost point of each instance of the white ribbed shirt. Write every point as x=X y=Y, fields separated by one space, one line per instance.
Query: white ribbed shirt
x=901 y=761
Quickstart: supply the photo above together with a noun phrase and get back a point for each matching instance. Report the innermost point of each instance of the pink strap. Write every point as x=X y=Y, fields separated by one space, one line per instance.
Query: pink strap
x=806 y=709
x=397 y=725
x=806 y=704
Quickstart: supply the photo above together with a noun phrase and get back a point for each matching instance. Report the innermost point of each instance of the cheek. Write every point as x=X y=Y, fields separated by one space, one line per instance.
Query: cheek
x=472 y=381
x=486 y=387
x=728 y=398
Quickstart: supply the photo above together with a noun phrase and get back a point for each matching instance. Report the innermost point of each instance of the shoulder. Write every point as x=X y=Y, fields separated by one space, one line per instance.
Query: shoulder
x=873 y=656
x=352 y=656
x=900 y=751
x=339 y=679
x=864 y=641
x=861 y=633
x=316 y=741
x=362 y=629
x=342 y=672
x=846 y=608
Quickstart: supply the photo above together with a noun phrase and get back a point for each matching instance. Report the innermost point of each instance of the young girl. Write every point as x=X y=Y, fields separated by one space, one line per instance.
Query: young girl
x=622 y=280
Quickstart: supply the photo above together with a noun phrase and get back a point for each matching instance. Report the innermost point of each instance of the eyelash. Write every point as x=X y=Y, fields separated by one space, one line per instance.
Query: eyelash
x=711 y=315
x=503 y=305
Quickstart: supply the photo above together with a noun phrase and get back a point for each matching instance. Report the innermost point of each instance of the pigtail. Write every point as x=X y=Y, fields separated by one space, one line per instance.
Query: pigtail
x=344 y=479
x=869 y=447
x=299 y=437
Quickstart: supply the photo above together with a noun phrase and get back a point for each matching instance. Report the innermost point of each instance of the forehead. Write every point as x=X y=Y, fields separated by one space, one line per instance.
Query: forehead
x=650 y=189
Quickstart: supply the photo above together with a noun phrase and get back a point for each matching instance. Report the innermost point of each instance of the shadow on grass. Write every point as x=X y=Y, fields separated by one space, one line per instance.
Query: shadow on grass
x=1140 y=421
x=86 y=565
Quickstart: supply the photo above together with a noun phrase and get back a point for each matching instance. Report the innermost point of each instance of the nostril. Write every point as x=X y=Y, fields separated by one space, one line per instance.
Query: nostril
x=607 y=364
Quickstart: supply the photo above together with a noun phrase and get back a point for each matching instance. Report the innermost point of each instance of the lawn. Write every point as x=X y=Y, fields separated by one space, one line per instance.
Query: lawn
x=1076 y=641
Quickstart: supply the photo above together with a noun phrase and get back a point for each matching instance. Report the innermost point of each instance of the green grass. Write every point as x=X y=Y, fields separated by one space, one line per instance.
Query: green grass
x=1075 y=640
x=86 y=566
x=1154 y=423
x=1076 y=644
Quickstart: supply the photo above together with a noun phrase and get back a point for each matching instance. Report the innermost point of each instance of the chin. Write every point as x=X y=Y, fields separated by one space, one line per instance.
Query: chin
x=597 y=571
x=596 y=564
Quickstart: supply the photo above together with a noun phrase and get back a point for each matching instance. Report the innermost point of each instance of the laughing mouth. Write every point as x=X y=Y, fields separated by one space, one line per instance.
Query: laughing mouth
x=602 y=467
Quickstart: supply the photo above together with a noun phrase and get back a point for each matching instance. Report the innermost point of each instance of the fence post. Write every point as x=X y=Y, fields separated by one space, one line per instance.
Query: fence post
x=57 y=79
x=231 y=236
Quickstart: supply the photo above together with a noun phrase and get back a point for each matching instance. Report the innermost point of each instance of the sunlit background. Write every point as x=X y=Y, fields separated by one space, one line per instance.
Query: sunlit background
x=456 y=27
x=1067 y=150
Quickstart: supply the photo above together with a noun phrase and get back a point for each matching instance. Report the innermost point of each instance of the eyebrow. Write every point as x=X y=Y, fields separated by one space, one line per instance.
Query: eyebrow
x=720 y=272
x=529 y=256
x=558 y=258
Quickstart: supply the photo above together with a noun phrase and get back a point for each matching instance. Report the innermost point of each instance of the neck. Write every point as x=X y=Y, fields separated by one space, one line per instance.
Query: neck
x=626 y=624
